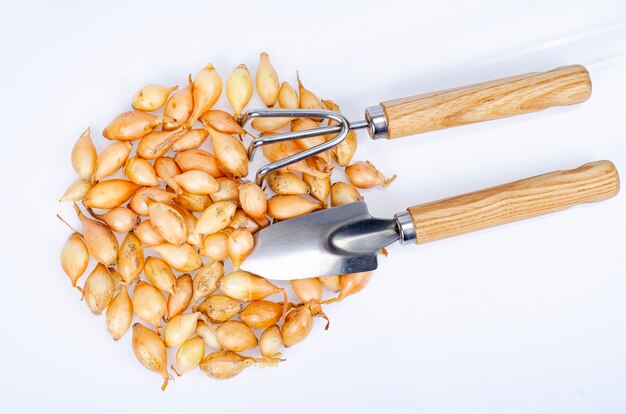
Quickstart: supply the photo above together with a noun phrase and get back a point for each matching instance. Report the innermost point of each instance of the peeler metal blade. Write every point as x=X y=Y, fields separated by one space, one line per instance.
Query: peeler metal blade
x=339 y=240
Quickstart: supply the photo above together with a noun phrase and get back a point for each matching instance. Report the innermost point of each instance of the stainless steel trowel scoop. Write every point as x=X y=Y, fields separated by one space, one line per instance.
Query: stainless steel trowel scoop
x=347 y=239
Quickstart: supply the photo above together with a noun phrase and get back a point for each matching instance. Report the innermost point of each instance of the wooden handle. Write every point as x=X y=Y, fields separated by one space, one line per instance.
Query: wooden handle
x=516 y=95
x=514 y=201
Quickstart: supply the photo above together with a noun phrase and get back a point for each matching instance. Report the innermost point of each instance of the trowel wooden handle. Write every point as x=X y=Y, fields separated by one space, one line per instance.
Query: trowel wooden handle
x=501 y=98
x=514 y=201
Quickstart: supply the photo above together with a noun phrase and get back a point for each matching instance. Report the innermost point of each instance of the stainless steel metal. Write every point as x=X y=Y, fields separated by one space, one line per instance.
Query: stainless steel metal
x=340 y=240
x=405 y=227
x=342 y=128
x=377 y=122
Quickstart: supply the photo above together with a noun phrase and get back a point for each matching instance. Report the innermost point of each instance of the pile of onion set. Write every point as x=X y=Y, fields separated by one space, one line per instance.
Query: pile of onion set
x=168 y=217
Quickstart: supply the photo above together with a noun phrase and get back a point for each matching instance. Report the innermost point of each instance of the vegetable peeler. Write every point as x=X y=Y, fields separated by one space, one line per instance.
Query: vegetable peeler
x=486 y=101
x=347 y=239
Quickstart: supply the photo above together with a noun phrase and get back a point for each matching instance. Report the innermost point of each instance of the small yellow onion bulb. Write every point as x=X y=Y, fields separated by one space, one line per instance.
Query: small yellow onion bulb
x=74 y=258
x=99 y=239
x=192 y=139
x=167 y=221
x=236 y=336
x=288 y=97
x=84 y=155
x=239 y=89
x=119 y=315
x=111 y=159
x=219 y=308
x=215 y=246
x=148 y=234
x=242 y=221
x=183 y=258
x=130 y=261
x=120 y=219
x=140 y=172
x=299 y=321
x=226 y=364
x=149 y=304
x=76 y=191
x=222 y=121
x=99 y=289
x=261 y=314
x=189 y=355
x=247 y=287
x=179 y=301
x=152 y=97
x=208 y=334
x=229 y=190
x=207 y=88
x=150 y=351
x=286 y=183
x=353 y=283
x=230 y=153
x=307 y=289
x=331 y=283
x=131 y=125
x=178 y=108
x=197 y=182
x=160 y=274
x=363 y=174
x=343 y=193
x=240 y=244
x=197 y=159
x=216 y=217
x=138 y=200
x=308 y=100
x=289 y=206
x=109 y=194
x=253 y=202
x=267 y=84
x=206 y=281
x=270 y=342
x=180 y=328
x=157 y=143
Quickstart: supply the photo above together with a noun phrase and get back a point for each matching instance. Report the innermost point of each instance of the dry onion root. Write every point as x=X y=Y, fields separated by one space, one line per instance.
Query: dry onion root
x=196 y=210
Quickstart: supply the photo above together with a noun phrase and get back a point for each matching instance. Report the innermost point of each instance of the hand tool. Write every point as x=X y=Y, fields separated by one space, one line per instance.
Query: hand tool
x=486 y=101
x=347 y=239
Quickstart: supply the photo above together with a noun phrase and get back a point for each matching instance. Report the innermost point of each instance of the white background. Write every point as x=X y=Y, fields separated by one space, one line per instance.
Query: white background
x=527 y=318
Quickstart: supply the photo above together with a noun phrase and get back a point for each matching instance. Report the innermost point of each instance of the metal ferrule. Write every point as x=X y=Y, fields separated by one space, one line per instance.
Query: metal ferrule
x=406 y=229
x=377 y=122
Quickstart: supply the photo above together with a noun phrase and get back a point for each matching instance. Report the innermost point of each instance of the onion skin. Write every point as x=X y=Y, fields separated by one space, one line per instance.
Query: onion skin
x=183 y=258
x=222 y=121
x=192 y=139
x=320 y=188
x=242 y=221
x=208 y=334
x=138 y=200
x=110 y=194
x=167 y=221
x=157 y=143
x=98 y=290
x=193 y=202
x=231 y=155
x=229 y=190
x=216 y=217
x=131 y=125
x=226 y=364
x=150 y=351
x=119 y=315
x=179 y=301
x=84 y=155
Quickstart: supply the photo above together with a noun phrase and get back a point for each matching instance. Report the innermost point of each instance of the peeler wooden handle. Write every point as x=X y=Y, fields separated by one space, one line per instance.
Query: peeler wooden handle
x=501 y=98
x=514 y=201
